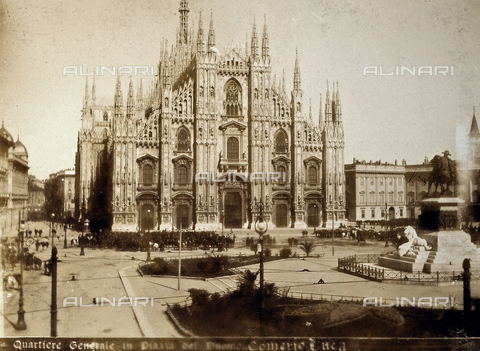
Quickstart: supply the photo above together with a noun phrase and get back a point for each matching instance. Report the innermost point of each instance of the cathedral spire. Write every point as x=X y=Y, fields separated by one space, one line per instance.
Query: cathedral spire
x=254 y=45
x=118 y=93
x=265 y=45
x=328 y=106
x=284 y=92
x=474 y=126
x=183 y=21
x=140 y=93
x=296 y=74
x=87 y=95
x=200 y=38
x=338 y=105
x=130 y=99
x=310 y=113
x=320 y=114
x=211 y=35
x=94 y=89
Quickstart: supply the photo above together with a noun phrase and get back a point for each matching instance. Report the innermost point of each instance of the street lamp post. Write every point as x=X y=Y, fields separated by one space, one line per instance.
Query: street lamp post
x=148 y=246
x=52 y=230
x=180 y=255
x=223 y=219
x=21 y=325
x=53 y=309
x=65 y=242
x=261 y=227
x=82 y=242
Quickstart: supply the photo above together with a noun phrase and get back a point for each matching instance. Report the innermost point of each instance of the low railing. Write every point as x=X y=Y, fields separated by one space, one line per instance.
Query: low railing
x=355 y=264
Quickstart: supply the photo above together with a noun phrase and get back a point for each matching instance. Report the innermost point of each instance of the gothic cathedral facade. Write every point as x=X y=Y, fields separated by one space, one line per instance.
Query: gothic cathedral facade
x=211 y=114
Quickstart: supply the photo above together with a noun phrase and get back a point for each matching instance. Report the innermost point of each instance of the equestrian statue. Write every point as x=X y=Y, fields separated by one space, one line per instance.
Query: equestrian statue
x=443 y=174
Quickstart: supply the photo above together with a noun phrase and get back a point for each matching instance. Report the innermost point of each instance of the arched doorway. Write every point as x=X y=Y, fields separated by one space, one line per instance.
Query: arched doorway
x=233 y=210
x=146 y=218
x=312 y=215
x=182 y=216
x=281 y=215
x=391 y=213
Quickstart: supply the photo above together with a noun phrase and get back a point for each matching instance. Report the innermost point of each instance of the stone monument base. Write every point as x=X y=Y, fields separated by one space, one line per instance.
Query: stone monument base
x=408 y=263
x=450 y=248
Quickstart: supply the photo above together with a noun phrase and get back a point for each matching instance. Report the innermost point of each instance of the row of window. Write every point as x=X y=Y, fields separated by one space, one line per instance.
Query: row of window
x=182 y=177
x=381 y=198
x=373 y=211
x=184 y=142
x=363 y=180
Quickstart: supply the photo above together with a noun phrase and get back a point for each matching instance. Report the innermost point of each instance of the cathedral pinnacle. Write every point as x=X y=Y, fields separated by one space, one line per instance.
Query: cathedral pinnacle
x=211 y=35
x=320 y=114
x=118 y=93
x=310 y=113
x=265 y=45
x=200 y=38
x=296 y=74
x=338 y=105
x=328 y=106
x=254 y=45
x=183 y=21
x=94 y=89
x=87 y=95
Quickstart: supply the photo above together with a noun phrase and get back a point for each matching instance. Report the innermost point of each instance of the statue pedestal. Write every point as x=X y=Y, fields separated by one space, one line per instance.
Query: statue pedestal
x=407 y=263
x=450 y=248
x=450 y=245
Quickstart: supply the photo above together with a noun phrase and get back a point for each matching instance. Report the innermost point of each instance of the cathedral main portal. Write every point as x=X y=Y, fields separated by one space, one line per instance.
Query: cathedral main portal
x=233 y=210
x=183 y=219
x=281 y=215
x=146 y=217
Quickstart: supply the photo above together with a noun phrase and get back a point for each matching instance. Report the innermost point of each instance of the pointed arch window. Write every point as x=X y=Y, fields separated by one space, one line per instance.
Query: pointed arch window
x=233 y=150
x=233 y=101
x=105 y=116
x=183 y=140
x=147 y=175
x=281 y=142
x=312 y=175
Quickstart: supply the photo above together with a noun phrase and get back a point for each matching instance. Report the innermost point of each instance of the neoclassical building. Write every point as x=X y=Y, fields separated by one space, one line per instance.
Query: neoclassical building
x=211 y=114
x=13 y=181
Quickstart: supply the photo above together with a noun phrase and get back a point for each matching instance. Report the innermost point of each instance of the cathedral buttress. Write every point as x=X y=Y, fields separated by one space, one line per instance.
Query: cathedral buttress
x=333 y=157
x=297 y=174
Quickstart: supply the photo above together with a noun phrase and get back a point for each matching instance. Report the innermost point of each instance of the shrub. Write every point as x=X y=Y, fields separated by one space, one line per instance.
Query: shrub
x=307 y=247
x=268 y=252
x=246 y=284
x=202 y=266
x=286 y=252
x=270 y=289
x=199 y=296
x=219 y=263
x=160 y=266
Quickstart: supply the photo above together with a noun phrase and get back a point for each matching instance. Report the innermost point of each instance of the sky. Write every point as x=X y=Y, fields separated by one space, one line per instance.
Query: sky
x=386 y=117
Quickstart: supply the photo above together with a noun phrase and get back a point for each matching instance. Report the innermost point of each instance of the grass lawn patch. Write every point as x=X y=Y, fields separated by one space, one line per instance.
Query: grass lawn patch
x=208 y=267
